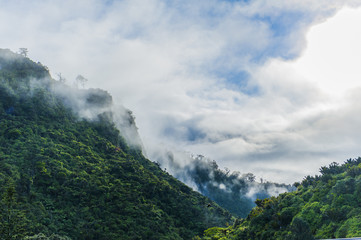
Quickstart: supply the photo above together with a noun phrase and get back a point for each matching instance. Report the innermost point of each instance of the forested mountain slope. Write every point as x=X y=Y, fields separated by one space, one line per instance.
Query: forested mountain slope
x=322 y=207
x=68 y=171
x=233 y=191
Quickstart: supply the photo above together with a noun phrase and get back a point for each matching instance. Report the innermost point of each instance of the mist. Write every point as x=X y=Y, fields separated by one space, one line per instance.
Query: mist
x=232 y=190
x=90 y=103
x=268 y=87
x=87 y=104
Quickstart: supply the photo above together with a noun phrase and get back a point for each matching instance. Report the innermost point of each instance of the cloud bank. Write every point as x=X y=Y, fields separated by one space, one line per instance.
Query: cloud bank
x=260 y=86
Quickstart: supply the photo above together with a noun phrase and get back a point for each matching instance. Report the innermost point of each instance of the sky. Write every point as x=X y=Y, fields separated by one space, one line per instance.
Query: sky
x=268 y=87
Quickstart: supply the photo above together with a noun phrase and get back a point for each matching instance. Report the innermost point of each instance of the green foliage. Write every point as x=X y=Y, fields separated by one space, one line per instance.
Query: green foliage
x=42 y=236
x=350 y=228
x=300 y=230
x=229 y=190
x=62 y=176
x=324 y=206
x=12 y=219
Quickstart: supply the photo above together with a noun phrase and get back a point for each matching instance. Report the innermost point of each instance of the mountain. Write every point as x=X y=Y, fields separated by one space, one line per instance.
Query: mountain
x=323 y=207
x=68 y=172
x=234 y=191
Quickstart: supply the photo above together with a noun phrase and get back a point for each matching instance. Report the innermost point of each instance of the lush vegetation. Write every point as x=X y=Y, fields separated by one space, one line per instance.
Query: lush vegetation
x=67 y=176
x=324 y=206
x=234 y=191
x=64 y=177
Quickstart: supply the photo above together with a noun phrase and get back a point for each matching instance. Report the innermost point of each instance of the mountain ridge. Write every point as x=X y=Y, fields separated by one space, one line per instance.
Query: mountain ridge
x=324 y=206
x=68 y=172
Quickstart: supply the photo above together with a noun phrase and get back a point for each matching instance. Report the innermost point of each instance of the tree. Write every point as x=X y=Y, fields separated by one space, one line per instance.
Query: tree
x=61 y=78
x=249 y=177
x=13 y=221
x=23 y=51
x=80 y=80
x=300 y=230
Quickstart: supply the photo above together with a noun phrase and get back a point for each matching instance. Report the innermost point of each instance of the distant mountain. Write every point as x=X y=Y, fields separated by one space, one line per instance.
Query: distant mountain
x=71 y=166
x=323 y=207
x=233 y=191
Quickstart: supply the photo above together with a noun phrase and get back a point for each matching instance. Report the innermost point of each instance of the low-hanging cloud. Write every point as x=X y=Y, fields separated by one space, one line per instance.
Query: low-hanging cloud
x=235 y=191
x=209 y=77
x=91 y=104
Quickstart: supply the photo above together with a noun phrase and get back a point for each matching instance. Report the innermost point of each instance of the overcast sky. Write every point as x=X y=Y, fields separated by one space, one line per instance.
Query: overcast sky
x=269 y=87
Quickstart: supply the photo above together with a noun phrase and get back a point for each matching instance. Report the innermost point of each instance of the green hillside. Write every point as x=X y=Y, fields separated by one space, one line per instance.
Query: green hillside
x=230 y=190
x=322 y=207
x=62 y=173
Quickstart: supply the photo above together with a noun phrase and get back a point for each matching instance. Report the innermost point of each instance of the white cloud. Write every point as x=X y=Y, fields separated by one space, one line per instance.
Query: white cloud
x=171 y=62
x=317 y=98
x=334 y=52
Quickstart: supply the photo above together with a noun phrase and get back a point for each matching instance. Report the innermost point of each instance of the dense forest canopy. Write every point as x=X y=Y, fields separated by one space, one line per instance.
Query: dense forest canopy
x=323 y=207
x=66 y=172
x=71 y=167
